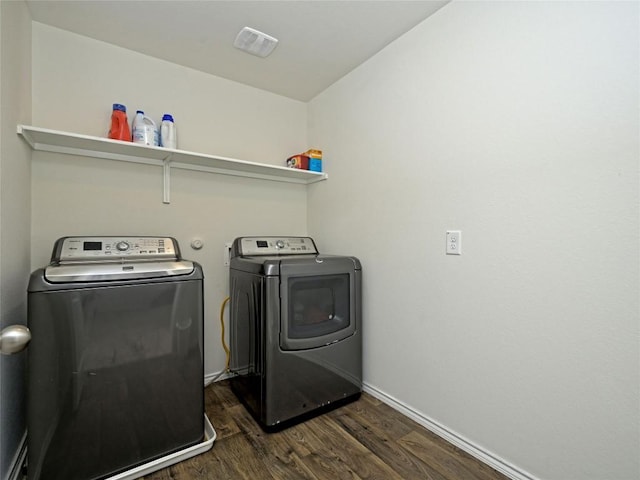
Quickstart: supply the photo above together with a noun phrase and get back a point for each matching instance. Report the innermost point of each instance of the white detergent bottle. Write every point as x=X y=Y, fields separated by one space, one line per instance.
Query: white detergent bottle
x=144 y=130
x=168 y=134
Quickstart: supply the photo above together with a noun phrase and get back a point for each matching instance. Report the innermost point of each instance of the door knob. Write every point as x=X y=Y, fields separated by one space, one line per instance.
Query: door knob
x=14 y=339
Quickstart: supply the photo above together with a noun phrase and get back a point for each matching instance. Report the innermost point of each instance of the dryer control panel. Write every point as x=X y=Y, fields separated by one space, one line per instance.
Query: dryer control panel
x=250 y=246
x=101 y=249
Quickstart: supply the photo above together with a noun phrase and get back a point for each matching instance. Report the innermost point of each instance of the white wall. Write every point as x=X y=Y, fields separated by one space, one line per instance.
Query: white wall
x=75 y=81
x=517 y=123
x=15 y=167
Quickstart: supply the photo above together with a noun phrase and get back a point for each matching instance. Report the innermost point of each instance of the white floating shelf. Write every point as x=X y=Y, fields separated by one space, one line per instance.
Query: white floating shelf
x=42 y=139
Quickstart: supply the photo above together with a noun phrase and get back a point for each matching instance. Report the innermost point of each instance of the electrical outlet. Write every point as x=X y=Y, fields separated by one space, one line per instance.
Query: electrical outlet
x=454 y=242
x=226 y=256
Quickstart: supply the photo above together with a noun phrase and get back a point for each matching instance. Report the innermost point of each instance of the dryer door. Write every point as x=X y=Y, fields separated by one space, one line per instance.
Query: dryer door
x=318 y=302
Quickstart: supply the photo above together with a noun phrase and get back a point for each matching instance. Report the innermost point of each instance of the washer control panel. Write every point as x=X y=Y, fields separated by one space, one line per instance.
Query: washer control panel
x=75 y=249
x=250 y=246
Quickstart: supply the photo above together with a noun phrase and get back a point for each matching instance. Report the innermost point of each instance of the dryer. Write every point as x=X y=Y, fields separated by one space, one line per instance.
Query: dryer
x=295 y=329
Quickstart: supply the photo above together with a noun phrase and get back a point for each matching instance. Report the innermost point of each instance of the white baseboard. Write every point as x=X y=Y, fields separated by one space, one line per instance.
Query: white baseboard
x=216 y=377
x=15 y=472
x=450 y=436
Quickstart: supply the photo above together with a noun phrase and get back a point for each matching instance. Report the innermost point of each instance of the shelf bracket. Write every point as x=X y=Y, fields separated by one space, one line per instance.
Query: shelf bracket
x=166 y=180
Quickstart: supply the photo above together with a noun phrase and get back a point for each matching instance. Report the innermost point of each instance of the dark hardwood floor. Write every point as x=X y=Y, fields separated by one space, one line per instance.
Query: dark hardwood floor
x=365 y=439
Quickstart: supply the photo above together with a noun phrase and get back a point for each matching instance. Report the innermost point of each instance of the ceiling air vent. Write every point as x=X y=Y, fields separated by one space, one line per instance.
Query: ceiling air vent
x=255 y=42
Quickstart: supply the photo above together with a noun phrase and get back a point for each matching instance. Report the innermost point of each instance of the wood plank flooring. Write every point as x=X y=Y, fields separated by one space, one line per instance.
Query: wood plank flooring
x=365 y=439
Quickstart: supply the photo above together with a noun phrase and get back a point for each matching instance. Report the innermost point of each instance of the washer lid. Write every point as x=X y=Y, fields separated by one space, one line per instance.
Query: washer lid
x=94 y=272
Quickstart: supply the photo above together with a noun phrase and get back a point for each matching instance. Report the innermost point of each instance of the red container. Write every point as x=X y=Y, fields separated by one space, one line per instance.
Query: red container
x=119 y=124
x=298 y=161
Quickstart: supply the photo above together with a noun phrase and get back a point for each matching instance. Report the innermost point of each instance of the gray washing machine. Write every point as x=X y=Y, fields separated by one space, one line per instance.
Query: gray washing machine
x=295 y=329
x=115 y=366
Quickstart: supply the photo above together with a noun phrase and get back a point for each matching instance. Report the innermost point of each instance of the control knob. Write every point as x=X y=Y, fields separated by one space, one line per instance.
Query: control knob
x=279 y=244
x=122 y=246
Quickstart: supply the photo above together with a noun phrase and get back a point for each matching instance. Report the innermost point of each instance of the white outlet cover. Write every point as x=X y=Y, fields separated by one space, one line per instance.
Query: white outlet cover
x=226 y=254
x=454 y=242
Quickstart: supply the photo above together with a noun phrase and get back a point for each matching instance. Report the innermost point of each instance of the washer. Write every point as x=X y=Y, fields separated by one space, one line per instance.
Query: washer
x=295 y=329
x=115 y=367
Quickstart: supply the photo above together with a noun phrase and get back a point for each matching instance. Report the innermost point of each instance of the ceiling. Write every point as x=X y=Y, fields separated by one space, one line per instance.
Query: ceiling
x=320 y=41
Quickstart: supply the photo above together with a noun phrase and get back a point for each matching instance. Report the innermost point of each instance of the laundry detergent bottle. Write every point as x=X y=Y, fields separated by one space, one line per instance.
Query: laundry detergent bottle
x=168 y=135
x=119 y=125
x=145 y=131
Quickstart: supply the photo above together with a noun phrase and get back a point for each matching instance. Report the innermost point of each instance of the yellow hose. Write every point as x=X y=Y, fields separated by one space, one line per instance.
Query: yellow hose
x=224 y=345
